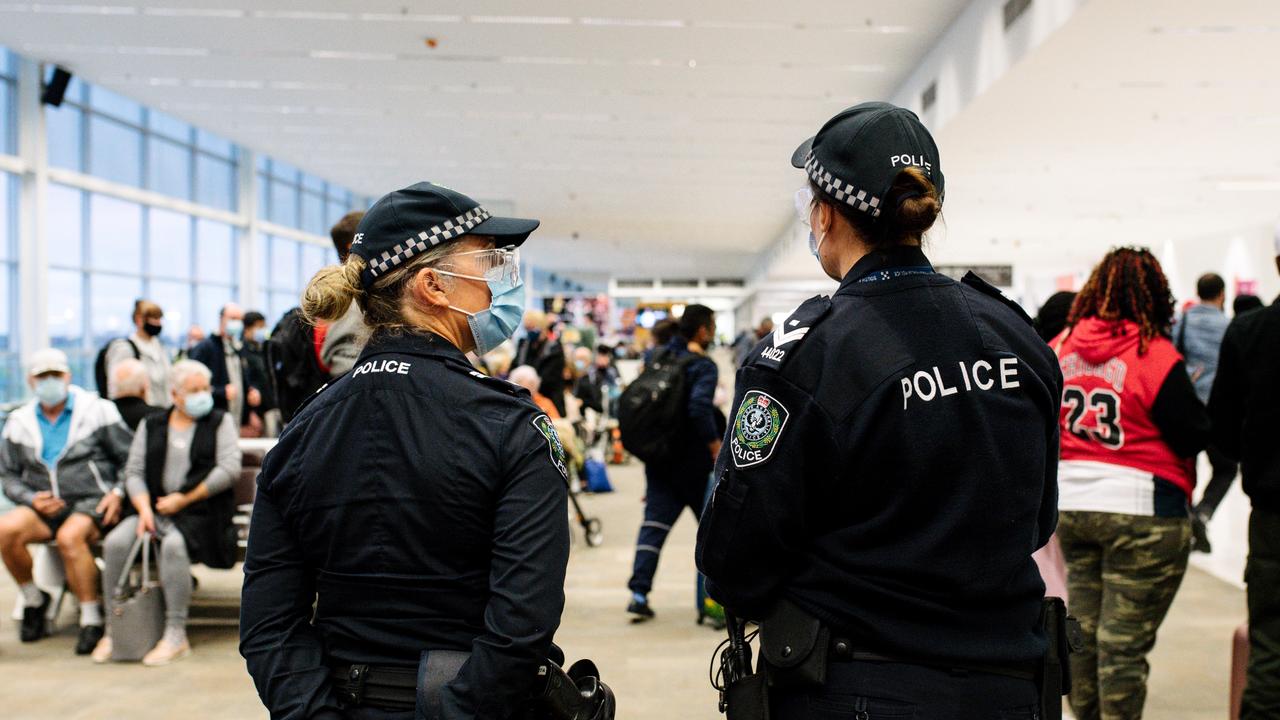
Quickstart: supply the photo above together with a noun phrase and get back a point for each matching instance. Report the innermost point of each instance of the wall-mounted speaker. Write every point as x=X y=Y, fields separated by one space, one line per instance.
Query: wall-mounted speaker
x=56 y=88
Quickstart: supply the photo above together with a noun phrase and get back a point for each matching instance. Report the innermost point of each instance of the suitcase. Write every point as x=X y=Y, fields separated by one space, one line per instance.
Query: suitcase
x=1239 y=667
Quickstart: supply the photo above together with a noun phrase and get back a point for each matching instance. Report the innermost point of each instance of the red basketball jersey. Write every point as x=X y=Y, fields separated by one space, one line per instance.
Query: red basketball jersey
x=1107 y=397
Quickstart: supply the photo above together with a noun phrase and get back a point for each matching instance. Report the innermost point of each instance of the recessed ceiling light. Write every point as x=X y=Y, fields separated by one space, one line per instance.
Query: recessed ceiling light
x=409 y=17
x=520 y=20
x=632 y=22
x=229 y=13
x=349 y=55
x=693 y=64
x=83 y=9
x=300 y=15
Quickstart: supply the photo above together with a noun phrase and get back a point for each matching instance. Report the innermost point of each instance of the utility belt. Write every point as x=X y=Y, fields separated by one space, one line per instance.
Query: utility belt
x=797 y=648
x=576 y=694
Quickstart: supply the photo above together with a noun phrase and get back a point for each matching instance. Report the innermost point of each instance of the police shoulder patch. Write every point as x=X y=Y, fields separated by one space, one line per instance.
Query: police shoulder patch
x=757 y=427
x=548 y=430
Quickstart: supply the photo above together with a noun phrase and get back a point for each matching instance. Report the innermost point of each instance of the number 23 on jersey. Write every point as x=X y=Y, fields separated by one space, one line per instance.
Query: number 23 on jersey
x=1094 y=415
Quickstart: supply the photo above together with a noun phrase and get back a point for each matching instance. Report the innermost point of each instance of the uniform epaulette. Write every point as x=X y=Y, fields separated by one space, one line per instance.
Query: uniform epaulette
x=499 y=384
x=785 y=338
x=972 y=280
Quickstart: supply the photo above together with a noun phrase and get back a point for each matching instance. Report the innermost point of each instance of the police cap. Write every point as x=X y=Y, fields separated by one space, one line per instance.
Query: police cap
x=857 y=154
x=411 y=221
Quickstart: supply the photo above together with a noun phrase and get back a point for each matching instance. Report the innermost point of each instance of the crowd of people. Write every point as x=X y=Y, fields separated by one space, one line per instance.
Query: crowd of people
x=1145 y=390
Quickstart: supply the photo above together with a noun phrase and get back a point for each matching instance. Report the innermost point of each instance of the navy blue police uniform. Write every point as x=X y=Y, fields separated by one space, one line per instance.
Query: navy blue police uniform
x=412 y=507
x=890 y=467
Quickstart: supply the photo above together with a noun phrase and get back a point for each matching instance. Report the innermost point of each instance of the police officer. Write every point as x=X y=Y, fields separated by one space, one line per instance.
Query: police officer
x=419 y=505
x=890 y=466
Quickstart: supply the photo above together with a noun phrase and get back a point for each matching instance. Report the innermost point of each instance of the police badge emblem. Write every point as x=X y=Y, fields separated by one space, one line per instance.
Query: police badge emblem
x=548 y=430
x=756 y=428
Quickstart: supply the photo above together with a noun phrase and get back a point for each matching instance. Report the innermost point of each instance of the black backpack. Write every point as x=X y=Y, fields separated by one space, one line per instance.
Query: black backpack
x=291 y=359
x=652 y=409
x=100 y=365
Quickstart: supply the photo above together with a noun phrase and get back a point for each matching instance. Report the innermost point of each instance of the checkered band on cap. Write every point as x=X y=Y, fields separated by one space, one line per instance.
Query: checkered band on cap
x=841 y=190
x=426 y=240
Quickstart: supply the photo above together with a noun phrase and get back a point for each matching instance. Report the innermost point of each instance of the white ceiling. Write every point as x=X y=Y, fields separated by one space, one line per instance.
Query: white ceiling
x=1139 y=122
x=651 y=138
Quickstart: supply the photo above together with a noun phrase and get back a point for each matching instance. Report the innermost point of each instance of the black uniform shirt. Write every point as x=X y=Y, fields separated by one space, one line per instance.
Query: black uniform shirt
x=424 y=504
x=890 y=467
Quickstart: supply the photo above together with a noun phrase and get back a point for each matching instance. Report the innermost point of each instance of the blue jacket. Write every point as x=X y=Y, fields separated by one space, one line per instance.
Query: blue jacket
x=421 y=506
x=1198 y=336
x=701 y=429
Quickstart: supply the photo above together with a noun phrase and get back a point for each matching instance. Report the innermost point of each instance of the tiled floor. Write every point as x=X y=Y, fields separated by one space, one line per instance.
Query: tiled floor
x=659 y=670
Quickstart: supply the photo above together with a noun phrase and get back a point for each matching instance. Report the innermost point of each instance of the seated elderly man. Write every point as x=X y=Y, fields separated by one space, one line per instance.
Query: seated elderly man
x=181 y=468
x=129 y=384
x=526 y=377
x=59 y=460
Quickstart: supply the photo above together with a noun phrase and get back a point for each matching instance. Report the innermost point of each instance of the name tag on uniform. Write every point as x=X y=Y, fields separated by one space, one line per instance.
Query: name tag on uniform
x=942 y=381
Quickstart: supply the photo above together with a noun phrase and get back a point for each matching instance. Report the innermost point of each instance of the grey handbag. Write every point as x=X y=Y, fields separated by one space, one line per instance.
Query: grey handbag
x=137 y=614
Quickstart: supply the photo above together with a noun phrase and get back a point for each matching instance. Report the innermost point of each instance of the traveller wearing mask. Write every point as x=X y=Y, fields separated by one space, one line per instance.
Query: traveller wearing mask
x=60 y=462
x=145 y=345
x=418 y=504
x=869 y=436
x=181 y=467
x=223 y=354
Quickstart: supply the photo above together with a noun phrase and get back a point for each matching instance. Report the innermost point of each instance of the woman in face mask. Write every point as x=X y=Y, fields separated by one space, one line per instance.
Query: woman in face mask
x=181 y=466
x=421 y=502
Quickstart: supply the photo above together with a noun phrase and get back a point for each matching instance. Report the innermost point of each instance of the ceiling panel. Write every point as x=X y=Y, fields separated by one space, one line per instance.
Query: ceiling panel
x=651 y=138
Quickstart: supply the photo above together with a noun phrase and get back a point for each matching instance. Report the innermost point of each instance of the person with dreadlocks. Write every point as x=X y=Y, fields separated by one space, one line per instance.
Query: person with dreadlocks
x=1132 y=426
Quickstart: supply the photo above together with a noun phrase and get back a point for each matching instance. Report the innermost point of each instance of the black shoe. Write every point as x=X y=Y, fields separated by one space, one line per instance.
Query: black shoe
x=1200 y=533
x=640 y=609
x=34 y=624
x=89 y=637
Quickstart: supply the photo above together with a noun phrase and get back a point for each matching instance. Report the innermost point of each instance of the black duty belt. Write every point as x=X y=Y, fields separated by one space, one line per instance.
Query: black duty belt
x=842 y=650
x=375 y=686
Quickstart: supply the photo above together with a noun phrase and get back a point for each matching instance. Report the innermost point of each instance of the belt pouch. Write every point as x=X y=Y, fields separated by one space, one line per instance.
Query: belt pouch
x=748 y=698
x=793 y=644
x=436 y=668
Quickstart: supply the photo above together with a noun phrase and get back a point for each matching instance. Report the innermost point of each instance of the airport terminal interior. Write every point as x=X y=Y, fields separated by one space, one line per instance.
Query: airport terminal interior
x=174 y=173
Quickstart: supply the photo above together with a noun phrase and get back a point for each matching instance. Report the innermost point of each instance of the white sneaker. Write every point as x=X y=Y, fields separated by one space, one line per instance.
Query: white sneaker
x=166 y=652
x=102 y=653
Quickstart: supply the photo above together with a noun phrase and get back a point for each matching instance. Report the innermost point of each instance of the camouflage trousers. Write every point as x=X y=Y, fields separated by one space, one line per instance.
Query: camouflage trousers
x=1122 y=574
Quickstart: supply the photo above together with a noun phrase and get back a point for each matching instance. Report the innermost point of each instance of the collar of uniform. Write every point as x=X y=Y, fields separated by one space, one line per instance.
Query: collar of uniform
x=898 y=256
x=409 y=342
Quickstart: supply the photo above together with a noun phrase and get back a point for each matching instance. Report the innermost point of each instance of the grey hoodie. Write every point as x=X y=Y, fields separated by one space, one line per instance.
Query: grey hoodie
x=89 y=466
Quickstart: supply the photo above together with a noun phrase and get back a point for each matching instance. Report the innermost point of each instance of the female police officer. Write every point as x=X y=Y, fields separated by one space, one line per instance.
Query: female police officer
x=890 y=465
x=418 y=504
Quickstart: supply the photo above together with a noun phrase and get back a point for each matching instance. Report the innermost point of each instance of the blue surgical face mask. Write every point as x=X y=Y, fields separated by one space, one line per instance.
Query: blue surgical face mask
x=198 y=404
x=51 y=391
x=815 y=245
x=495 y=324
x=235 y=329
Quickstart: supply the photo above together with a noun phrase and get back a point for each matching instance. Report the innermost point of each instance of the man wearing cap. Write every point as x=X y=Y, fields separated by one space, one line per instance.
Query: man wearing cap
x=890 y=465
x=419 y=504
x=59 y=462
x=1245 y=408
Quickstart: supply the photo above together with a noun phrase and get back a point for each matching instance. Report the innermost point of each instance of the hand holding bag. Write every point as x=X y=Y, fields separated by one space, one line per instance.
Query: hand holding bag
x=137 y=614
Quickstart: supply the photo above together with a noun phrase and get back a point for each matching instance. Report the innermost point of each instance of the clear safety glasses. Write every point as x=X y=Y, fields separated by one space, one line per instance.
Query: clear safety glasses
x=804 y=203
x=496 y=265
